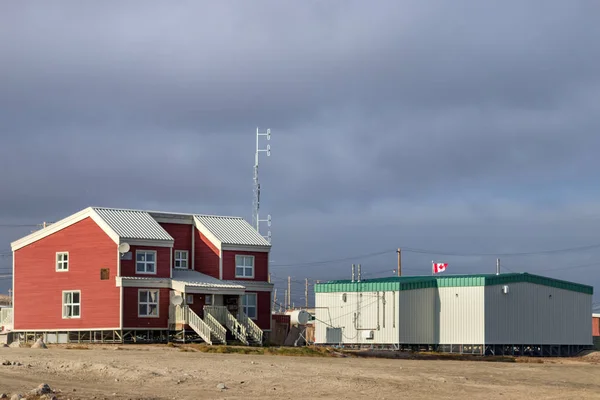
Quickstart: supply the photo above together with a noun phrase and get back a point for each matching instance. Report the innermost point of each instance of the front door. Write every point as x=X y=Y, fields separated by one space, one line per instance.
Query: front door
x=232 y=303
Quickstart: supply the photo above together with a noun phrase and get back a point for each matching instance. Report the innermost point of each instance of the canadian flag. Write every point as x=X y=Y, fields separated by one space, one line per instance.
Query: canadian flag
x=439 y=267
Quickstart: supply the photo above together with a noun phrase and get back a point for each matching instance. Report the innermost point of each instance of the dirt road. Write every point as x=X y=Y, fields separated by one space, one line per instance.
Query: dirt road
x=137 y=372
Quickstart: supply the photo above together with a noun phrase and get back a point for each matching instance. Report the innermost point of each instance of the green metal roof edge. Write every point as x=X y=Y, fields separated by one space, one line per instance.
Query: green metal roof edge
x=424 y=282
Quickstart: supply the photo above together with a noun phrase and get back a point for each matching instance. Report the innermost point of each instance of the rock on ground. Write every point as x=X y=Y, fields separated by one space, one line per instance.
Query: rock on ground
x=44 y=388
x=39 y=344
x=16 y=397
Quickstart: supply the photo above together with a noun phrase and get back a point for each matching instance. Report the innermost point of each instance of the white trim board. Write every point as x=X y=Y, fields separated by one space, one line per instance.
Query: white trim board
x=203 y=230
x=256 y=249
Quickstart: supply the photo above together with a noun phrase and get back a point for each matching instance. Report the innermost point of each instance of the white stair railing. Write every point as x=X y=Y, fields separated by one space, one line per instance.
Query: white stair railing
x=221 y=314
x=253 y=330
x=199 y=326
x=218 y=330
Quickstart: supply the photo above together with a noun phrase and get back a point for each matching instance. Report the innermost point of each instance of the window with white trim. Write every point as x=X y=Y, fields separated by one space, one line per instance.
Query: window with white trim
x=148 y=303
x=62 y=261
x=181 y=259
x=208 y=300
x=189 y=299
x=145 y=262
x=71 y=301
x=244 y=266
x=249 y=305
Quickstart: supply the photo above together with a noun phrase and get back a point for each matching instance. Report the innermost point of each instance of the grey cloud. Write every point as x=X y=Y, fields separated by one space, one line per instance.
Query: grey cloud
x=400 y=122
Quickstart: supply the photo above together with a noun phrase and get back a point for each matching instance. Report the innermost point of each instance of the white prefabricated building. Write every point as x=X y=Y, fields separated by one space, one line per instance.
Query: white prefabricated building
x=516 y=313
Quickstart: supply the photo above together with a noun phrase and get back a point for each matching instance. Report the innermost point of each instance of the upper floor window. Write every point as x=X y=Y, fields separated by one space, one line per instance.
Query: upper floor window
x=145 y=262
x=181 y=259
x=71 y=304
x=244 y=266
x=62 y=261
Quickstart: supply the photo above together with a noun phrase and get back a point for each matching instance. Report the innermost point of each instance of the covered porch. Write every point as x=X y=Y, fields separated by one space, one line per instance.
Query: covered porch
x=213 y=309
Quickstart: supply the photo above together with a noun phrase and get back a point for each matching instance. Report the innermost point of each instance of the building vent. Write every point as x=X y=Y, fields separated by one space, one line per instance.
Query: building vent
x=369 y=335
x=505 y=289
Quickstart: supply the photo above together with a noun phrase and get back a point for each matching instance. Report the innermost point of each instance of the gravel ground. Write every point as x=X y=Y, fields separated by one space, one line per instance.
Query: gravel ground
x=149 y=372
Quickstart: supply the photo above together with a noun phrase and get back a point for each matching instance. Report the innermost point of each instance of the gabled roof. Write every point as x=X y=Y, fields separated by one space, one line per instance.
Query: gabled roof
x=142 y=228
x=398 y=283
x=120 y=225
x=132 y=224
x=234 y=231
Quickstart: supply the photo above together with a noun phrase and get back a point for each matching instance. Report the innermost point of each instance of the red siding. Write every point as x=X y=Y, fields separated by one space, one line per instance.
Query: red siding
x=38 y=286
x=595 y=326
x=263 y=302
x=282 y=318
x=163 y=258
x=130 y=310
x=207 y=256
x=261 y=265
x=182 y=234
x=198 y=305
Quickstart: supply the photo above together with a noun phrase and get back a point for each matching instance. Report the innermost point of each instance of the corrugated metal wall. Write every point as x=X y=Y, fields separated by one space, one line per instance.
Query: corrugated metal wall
x=417 y=315
x=359 y=314
x=461 y=315
x=536 y=314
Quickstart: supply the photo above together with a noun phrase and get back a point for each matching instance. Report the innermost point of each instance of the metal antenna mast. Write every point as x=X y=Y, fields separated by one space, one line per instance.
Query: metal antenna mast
x=256 y=214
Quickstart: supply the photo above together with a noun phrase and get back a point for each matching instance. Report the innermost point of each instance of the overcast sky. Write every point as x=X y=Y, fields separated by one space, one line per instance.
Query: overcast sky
x=459 y=127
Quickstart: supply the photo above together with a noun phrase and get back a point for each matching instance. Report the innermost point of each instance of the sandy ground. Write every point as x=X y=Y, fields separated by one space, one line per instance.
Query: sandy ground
x=138 y=372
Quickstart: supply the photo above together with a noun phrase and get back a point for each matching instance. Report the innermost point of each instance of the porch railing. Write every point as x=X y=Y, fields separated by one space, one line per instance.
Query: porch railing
x=218 y=330
x=183 y=315
x=224 y=317
x=199 y=326
x=253 y=330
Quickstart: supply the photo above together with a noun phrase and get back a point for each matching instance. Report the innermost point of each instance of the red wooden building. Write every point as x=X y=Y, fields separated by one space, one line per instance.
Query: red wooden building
x=119 y=275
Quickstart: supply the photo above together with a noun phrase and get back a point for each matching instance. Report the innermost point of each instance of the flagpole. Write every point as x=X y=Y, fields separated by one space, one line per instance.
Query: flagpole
x=431 y=267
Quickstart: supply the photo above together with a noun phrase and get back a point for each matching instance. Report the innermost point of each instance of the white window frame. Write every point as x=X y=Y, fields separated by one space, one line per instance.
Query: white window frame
x=148 y=303
x=244 y=266
x=179 y=259
x=255 y=306
x=61 y=264
x=146 y=263
x=71 y=304
x=189 y=297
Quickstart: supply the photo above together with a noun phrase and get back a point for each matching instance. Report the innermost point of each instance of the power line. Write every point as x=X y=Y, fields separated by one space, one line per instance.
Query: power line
x=440 y=253
x=334 y=260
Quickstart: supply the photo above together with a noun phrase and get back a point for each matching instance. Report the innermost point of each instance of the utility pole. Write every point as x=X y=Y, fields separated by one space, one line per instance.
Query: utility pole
x=399 y=262
x=285 y=301
x=306 y=291
x=269 y=278
x=275 y=299
x=497 y=266
x=289 y=291
x=256 y=202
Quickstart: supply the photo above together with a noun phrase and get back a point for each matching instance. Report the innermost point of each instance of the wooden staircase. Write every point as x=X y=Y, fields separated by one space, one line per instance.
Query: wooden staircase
x=243 y=329
x=210 y=331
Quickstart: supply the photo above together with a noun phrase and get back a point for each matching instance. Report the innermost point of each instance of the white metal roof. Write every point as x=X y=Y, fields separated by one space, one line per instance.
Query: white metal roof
x=232 y=230
x=133 y=224
x=195 y=278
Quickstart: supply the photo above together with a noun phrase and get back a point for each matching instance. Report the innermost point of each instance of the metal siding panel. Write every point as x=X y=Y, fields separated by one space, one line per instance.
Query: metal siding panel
x=461 y=318
x=528 y=315
x=331 y=311
x=417 y=316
